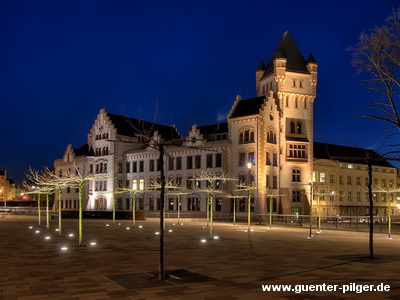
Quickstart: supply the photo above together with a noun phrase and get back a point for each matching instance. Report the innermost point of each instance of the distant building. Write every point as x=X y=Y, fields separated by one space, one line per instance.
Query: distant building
x=272 y=132
x=8 y=188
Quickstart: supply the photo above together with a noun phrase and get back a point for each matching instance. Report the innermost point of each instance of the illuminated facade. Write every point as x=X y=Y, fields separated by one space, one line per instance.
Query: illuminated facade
x=272 y=132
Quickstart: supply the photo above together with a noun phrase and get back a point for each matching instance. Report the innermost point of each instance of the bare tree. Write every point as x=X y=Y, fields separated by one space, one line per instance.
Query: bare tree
x=214 y=185
x=377 y=57
x=389 y=190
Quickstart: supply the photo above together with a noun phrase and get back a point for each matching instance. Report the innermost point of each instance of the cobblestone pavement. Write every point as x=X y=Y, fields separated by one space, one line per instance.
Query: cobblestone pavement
x=238 y=263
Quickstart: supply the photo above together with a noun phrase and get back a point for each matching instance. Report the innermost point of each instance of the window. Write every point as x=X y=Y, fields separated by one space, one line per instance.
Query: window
x=242 y=159
x=296 y=102
x=298 y=127
x=141 y=166
x=242 y=204
x=151 y=165
x=297 y=151
x=218 y=184
x=348 y=179
x=218 y=160
x=170 y=203
x=128 y=167
x=340 y=179
x=134 y=167
x=189 y=183
x=275 y=159
x=358 y=180
x=197 y=184
x=251 y=158
x=322 y=195
x=268 y=158
x=242 y=179
x=296 y=175
x=292 y=127
x=271 y=136
x=179 y=163
x=134 y=184
x=218 y=204
x=178 y=180
x=349 y=196
x=321 y=177
x=193 y=204
x=331 y=178
x=189 y=162
x=314 y=176
x=294 y=82
x=141 y=184
x=246 y=136
x=198 y=161
x=268 y=181
x=120 y=167
x=171 y=163
x=340 y=195
x=209 y=162
x=275 y=181
x=358 y=196
x=296 y=196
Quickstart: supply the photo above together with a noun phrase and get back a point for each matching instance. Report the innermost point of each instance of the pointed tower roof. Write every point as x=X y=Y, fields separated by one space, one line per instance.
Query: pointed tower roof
x=311 y=59
x=288 y=49
x=261 y=66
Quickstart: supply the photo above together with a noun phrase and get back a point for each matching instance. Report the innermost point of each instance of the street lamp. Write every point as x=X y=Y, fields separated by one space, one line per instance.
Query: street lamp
x=249 y=164
x=311 y=206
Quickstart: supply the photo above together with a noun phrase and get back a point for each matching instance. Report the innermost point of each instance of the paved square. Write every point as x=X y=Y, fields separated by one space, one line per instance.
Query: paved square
x=34 y=267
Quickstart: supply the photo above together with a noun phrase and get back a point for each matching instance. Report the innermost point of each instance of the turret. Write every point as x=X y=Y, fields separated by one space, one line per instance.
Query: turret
x=259 y=73
x=312 y=67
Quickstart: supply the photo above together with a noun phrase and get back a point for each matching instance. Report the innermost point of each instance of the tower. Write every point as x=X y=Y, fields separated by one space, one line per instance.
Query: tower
x=280 y=119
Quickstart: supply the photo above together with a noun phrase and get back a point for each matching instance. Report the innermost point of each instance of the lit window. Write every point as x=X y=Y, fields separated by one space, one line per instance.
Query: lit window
x=296 y=175
x=321 y=177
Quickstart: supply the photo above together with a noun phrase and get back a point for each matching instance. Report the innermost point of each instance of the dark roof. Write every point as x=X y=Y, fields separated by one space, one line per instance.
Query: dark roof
x=261 y=66
x=311 y=59
x=83 y=151
x=248 y=107
x=125 y=126
x=2 y=172
x=288 y=49
x=348 y=154
x=214 y=128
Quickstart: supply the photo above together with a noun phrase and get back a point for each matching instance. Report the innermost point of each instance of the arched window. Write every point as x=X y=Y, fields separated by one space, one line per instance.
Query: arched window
x=274 y=158
x=292 y=127
x=298 y=127
x=296 y=102
x=296 y=175
x=296 y=196
x=268 y=158
x=271 y=136
x=246 y=136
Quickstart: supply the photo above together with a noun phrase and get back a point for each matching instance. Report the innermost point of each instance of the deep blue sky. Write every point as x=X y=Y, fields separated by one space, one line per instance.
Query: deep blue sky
x=61 y=61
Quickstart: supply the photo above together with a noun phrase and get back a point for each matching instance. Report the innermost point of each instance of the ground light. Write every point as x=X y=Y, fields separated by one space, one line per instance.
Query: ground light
x=140 y=226
x=203 y=240
x=127 y=228
x=309 y=237
x=64 y=248
x=157 y=233
x=37 y=231
x=173 y=224
x=71 y=235
x=216 y=237
x=47 y=238
x=181 y=223
x=119 y=224
x=57 y=229
x=93 y=244
x=170 y=230
x=30 y=227
x=107 y=225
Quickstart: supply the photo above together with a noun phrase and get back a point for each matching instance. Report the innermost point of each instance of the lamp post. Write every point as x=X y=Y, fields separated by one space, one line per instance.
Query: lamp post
x=249 y=198
x=311 y=205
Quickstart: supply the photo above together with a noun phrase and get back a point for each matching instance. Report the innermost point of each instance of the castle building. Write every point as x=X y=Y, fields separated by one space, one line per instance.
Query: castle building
x=267 y=142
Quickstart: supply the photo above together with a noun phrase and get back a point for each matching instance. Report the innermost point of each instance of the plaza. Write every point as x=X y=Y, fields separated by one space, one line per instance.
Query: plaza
x=233 y=266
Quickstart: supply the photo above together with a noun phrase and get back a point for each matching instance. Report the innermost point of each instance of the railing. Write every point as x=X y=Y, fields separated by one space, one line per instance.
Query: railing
x=353 y=223
x=29 y=211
